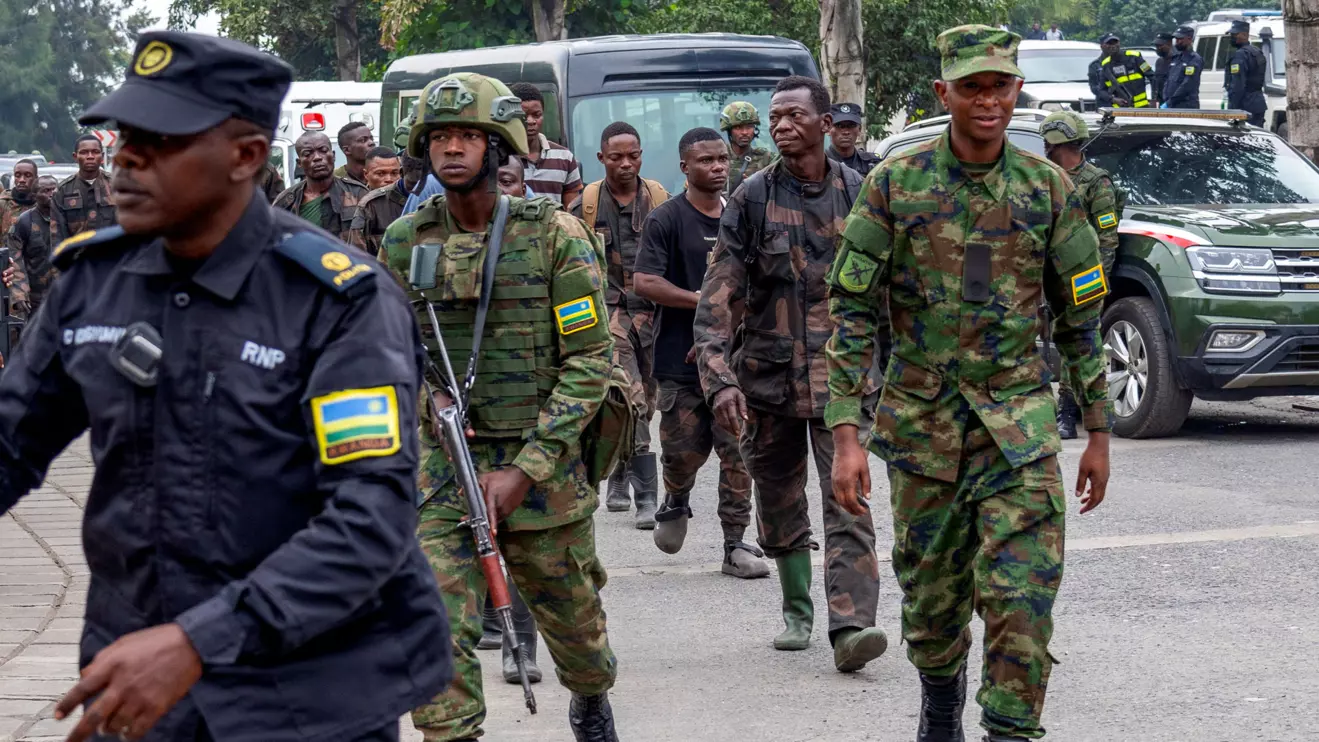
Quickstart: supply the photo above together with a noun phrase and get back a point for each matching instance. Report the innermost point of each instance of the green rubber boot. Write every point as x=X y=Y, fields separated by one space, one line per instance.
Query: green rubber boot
x=854 y=647
x=798 y=610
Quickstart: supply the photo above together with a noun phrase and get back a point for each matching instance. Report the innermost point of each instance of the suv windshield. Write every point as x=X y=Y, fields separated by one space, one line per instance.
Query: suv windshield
x=1204 y=167
x=661 y=117
x=1056 y=65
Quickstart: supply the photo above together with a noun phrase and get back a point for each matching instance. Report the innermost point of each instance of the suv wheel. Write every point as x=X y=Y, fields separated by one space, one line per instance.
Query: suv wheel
x=1146 y=398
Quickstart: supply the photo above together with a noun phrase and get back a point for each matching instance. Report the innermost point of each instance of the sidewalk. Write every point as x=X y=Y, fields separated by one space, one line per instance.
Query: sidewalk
x=43 y=590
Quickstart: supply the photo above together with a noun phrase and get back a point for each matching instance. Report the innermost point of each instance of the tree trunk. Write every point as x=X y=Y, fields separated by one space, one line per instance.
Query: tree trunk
x=1301 y=19
x=842 y=56
x=547 y=17
x=348 y=58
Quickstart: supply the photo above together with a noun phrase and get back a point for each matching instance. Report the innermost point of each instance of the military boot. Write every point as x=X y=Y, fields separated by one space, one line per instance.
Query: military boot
x=591 y=718
x=491 y=635
x=671 y=524
x=1068 y=412
x=524 y=626
x=744 y=560
x=942 y=701
x=854 y=647
x=644 y=474
x=798 y=610
x=617 y=499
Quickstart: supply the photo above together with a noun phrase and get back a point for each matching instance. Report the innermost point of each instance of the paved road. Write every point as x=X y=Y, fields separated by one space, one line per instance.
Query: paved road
x=1190 y=610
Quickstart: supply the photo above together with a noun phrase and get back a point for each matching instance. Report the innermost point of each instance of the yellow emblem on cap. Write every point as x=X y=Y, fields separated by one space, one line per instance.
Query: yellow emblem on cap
x=336 y=261
x=153 y=58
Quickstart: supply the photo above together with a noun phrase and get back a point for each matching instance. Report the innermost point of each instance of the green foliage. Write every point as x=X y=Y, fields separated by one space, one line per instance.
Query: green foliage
x=301 y=32
x=60 y=56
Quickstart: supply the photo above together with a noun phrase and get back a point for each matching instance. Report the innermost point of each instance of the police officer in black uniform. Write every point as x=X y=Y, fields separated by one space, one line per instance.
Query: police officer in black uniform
x=250 y=384
x=1162 y=47
x=847 y=131
x=1245 y=75
x=1183 y=88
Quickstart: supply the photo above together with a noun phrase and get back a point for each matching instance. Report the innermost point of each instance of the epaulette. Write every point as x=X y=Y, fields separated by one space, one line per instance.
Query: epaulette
x=73 y=248
x=539 y=209
x=429 y=212
x=329 y=261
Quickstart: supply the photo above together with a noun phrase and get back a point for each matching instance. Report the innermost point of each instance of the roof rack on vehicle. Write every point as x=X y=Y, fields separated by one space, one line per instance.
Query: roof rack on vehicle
x=1233 y=116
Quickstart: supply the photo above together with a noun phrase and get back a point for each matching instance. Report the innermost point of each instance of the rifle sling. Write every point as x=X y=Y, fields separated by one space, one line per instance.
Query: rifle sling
x=487 y=287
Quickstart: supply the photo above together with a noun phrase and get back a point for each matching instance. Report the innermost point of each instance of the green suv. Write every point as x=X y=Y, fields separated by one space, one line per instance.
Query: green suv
x=1215 y=291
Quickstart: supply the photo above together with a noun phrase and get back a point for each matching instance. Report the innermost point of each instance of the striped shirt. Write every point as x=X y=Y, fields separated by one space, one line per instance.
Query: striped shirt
x=556 y=171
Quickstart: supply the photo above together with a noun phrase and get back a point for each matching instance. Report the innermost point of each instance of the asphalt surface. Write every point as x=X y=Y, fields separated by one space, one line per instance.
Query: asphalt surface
x=1189 y=611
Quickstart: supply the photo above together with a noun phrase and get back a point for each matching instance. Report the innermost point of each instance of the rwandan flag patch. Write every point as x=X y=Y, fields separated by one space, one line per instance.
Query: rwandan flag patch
x=1107 y=221
x=356 y=423
x=1089 y=285
x=576 y=315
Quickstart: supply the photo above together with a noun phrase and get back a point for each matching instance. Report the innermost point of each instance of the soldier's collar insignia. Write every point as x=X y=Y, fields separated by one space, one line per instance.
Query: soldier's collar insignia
x=153 y=59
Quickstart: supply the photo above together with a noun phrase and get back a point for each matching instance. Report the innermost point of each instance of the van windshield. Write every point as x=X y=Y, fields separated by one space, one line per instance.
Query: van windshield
x=1056 y=65
x=661 y=117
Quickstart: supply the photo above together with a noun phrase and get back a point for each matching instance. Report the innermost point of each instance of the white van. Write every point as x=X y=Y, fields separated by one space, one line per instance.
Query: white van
x=322 y=106
x=1267 y=32
x=1057 y=74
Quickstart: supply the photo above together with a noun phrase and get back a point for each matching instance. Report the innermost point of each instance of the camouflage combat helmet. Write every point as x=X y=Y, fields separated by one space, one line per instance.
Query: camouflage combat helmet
x=738 y=113
x=1062 y=127
x=404 y=128
x=469 y=99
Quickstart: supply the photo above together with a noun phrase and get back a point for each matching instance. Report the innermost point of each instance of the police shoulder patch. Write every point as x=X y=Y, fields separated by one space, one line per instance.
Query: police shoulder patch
x=576 y=315
x=333 y=263
x=1107 y=221
x=356 y=424
x=1235 y=69
x=74 y=247
x=857 y=271
x=1089 y=285
x=1190 y=70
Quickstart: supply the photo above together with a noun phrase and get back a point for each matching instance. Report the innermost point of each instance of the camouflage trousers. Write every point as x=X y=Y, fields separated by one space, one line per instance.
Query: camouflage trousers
x=687 y=435
x=634 y=351
x=775 y=448
x=992 y=541
x=558 y=575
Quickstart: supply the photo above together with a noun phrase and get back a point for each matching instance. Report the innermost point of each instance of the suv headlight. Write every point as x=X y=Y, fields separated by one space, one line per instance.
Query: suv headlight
x=1234 y=270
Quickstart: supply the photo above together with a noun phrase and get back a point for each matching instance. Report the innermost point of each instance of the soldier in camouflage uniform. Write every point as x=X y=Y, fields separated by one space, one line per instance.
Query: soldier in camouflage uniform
x=322 y=198
x=544 y=367
x=964 y=235
x=13 y=203
x=1064 y=133
x=765 y=287
x=615 y=208
x=740 y=121
x=30 y=249
x=82 y=201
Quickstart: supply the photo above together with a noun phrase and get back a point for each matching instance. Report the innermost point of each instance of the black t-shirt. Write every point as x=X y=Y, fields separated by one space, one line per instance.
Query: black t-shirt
x=675 y=244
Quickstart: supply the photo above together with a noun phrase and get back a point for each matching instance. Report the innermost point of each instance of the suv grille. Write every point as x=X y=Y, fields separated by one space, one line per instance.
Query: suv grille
x=1304 y=357
x=1298 y=270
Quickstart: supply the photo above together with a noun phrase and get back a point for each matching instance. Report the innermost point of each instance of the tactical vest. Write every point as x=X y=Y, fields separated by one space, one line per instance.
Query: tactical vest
x=518 y=364
x=1089 y=176
x=1139 y=99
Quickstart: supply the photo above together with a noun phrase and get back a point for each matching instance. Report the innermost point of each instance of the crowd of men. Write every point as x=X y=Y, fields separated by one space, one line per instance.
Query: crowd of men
x=1121 y=78
x=274 y=510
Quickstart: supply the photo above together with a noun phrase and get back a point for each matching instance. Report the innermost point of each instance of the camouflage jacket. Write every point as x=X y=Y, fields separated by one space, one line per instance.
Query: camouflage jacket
x=1100 y=199
x=375 y=213
x=30 y=249
x=582 y=352
x=270 y=182
x=344 y=195
x=79 y=207
x=20 y=292
x=763 y=319
x=741 y=168
x=965 y=262
x=620 y=248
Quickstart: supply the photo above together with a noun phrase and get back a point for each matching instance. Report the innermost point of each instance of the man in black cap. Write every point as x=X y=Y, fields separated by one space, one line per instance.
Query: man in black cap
x=1162 y=47
x=1245 y=75
x=1119 y=78
x=843 y=138
x=1183 y=87
x=250 y=384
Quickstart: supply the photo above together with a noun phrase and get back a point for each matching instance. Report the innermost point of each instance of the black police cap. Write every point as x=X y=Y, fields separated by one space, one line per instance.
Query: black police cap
x=185 y=83
x=1240 y=27
x=1184 y=32
x=1162 y=37
x=1110 y=36
x=845 y=113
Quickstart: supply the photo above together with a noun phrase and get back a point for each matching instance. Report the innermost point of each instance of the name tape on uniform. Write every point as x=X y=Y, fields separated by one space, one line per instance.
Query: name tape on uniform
x=356 y=423
x=576 y=315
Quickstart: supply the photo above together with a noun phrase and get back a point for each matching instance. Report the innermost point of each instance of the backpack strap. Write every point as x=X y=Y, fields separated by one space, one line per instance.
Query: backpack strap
x=591 y=203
